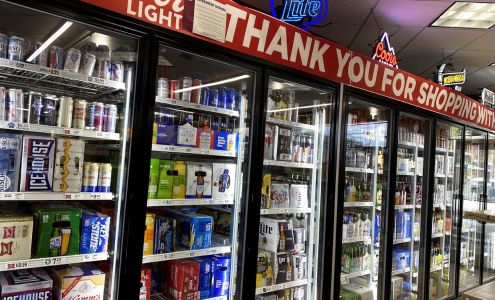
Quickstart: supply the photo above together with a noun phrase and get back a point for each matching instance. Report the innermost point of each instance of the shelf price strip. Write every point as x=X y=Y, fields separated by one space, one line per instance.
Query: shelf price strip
x=185 y=254
x=187 y=202
x=281 y=286
x=54 y=196
x=51 y=261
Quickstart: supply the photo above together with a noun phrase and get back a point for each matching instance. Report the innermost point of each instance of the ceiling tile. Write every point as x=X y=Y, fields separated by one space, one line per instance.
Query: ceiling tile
x=350 y=12
x=409 y=13
x=485 y=42
x=473 y=59
x=419 y=60
x=449 y=38
x=341 y=34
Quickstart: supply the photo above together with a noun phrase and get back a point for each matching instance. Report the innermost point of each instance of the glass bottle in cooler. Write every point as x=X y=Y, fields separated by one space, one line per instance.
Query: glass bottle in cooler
x=197 y=167
x=295 y=154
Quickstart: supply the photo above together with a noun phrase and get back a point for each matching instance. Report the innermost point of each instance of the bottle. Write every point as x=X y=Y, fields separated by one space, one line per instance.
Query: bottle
x=359 y=192
x=310 y=150
x=296 y=149
x=359 y=226
x=352 y=197
x=379 y=194
x=380 y=160
x=366 y=225
x=200 y=183
x=347 y=190
x=408 y=195
x=397 y=195
x=55 y=237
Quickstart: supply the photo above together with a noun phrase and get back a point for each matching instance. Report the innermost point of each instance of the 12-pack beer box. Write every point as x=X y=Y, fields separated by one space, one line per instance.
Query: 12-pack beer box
x=25 y=284
x=182 y=280
x=84 y=281
x=69 y=161
x=38 y=155
x=10 y=150
x=95 y=230
x=16 y=230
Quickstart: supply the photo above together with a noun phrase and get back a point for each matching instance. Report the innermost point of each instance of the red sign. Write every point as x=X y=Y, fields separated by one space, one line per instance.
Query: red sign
x=254 y=33
x=384 y=52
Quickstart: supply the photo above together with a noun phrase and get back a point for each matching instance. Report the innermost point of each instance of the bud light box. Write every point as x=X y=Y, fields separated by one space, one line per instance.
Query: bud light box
x=193 y=230
x=37 y=163
x=16 y=231
x=94 y=232
x=69 y=161
x=57 y=230
x=221 y=276
x=223 y=181
x=84 y=281
x=10 y=149
x=25 y=284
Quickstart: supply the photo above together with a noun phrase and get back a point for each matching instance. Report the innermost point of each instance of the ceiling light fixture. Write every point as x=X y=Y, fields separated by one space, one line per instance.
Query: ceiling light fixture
x=50 y=40
x=211 y=84
x=474 y=15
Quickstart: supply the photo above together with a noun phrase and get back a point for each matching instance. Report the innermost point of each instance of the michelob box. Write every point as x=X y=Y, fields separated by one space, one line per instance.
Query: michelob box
x=223 y=181
x=10 y=150
x=95 y=228
x=25 y=284
x=16 y=231
x=69 y=161
x=84 y=281
x=56 y=228
x=37 y=163
x=198 y=182
x=194 y=230
x=149 y=234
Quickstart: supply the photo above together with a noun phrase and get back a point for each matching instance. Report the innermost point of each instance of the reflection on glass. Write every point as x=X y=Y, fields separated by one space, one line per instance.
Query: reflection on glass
x=295 y=161
x=474 y=180
x=366 y=148
x=446 y=174
x=408 y=206
x=489 y=258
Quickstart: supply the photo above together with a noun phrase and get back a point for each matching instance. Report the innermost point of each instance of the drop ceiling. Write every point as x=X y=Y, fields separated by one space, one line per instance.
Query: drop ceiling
x=419 y=47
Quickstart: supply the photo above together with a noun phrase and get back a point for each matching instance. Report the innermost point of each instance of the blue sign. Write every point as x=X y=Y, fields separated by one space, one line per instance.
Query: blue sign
x=303 y=12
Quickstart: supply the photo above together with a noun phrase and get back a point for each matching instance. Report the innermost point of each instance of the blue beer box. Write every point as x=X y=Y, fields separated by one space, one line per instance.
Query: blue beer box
x=10 y=146
x=206 y=270
x=193 y=230
x=165 y=229
x=221 y=276
x=95 y=229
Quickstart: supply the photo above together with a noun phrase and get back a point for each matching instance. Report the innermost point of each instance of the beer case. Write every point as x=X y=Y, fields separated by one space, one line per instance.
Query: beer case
x=145 y=290
x=186 y=135
x=284 y=150
x=206 y=272
x=16 y=231
x=149 y=234
x=221 y=276
x=271 y=141
x=166 y=179
x=280 y=195
x=221 y=220
x=363 y=292
x=48 y=231
x=10 y=149
x=83 y=281
x=276 y=235
x=154 y=177
x=165 y=235
x=265 y=269
x=95 y=228
x=396 y=288
x=37 y=163
x=271 y=296
x=223 y=181
x=69 y=161
x=284 y=268
x=182 y=280
x=25 y=284
x=298 y=196
x=194 y=230
x=198 y=180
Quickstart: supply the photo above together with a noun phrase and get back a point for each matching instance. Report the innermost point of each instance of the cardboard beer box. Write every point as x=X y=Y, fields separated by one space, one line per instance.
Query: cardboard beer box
x=198 y=180
x=270 y=143
x=95 y=229
x=266 y=191
x=284 y=145
x=149 y=234
x=57 y=230
x=221 y=276
x=206 y=272
x=82 y=281
x=280 y=195
x=165 y=235
x=265 y=269
x=194 y=230
x=223 y=181
x=69 y=161
x=25 y=284
x=145 y=290
x=166 y=179
x=363 y=292
x=16 y=231
x=284 y=267
x=38 y=155
x=154 y=177
x=276 y=235
x=10 y=155
x=182 y=280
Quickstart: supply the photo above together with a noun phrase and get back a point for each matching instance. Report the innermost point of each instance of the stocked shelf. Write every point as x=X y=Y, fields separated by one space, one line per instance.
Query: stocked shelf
x=410 y=145
x=365 y=239
x=185 y=254
x=281 y=211
x=407 y=206
x=345 y=277
x=188 y=202
x=358 y=204
x=88 y=134
x=53 y=196
x=435 y=269
x=196 y=106
x=281 y=286
x=291 y=124
x=189 y=150
x=405 y=173
x=163 y=297
x=287 y=164
x=400 y=271
x=55 y=81
x=441 y=150
x=51 y=261
x=437 y=235
x=401 y=241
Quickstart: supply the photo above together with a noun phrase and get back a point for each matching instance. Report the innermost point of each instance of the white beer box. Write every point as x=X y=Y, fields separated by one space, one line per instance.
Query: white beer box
x=280 y=195
x=298 y=196
x=25 y=284
x=84 y=281
x=223 y=181
x=198 y=182
x=69 y=161
x=16 y=231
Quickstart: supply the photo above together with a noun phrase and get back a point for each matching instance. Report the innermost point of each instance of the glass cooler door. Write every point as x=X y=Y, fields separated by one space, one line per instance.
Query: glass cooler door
x=364 y=192
x=197 y=176
x=489 y=251
x=296 y=150
x=65 y=107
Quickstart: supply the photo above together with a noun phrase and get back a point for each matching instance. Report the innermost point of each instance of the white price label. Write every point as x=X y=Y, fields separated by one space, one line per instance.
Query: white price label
x=187 y=150
x=55 y=261
x=22 y=126
x=17 y=265
x=166 y=202
x=20 y=65
x=96 y=80
x=206 y=151
x=94 y=196
x=13 y=196
x=90 y=257
x=170 y=148
x=99 y=134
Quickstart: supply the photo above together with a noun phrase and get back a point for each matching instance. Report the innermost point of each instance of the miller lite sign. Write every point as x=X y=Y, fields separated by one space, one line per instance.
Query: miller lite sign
x=303 y=13
x=384 y=52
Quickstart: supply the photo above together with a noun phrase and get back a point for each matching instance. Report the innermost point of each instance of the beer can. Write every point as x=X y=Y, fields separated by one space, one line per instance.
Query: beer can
x=14 y=96
x=116 y=71
x=222 y=97
x=173 y=85
x=104 y=178
x=56 y=57
x=103 y=68
x=49 y=110
x=3 y=98
x=72 y=60
x=90 y=116
x=98 y=116
x=205 y=96
x=231 y=97
x=19 y=104
x=90 y=177
x=42 y=58
x=65 y=112
x=16 y=48
x=196 y=93
x=109 y=117
x=162 y=87
x=213 y=98
x=88 y=62
x=36 y=108
x=186 y=82
x=79 y=114
x=4 y=41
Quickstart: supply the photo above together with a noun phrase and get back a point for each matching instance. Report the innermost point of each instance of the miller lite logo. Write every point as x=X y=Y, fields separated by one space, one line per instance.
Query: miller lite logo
x=384 y=52
x=303 y=13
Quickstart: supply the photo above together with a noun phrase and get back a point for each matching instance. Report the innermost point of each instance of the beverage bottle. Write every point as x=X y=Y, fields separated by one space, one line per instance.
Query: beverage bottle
x=359 y=192
x=296 y=148
x=408 y=195
x=350 y=227
x=366 y=225
x=359 y=225
x=310 y=149
x=200 y=183
x=304 y=149
x=347 y=190
x=378 y=194
x=397 y=195
x=352 y=197
x=345 y=226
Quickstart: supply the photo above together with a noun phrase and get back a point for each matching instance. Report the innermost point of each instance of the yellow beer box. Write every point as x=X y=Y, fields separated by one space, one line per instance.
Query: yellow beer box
x=16 y=232
x=69 y=161
x=84 y=281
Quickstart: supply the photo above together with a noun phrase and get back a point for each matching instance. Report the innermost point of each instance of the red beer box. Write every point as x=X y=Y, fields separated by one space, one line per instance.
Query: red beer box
x=25 y=284
x=182 y=281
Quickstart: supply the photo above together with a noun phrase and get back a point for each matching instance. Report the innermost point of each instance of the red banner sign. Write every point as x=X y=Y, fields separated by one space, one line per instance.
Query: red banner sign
x=254 y=33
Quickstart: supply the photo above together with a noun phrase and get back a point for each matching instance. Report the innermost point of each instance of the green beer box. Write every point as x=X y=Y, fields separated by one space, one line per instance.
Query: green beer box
x=166 y=179
x=57 y=230
x=154 y=176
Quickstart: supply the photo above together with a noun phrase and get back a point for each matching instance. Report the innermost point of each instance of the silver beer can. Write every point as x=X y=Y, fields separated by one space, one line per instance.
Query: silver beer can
x=65 y=112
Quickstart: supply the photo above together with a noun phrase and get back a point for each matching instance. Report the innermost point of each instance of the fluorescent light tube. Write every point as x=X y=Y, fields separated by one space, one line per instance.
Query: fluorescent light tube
x=212 y=84
x=299 y=107
x=50 y=40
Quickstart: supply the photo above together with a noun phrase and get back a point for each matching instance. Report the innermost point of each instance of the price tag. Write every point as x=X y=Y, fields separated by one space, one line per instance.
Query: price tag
x=55 y=261
x=166 y=202
x=90 y=257
x=20 y=65
x=344 y=279
x=13 y=196
x=267 y=289
x=206 y=151
x=74 y=132
x=170 y=148
x=22 y=126
x=192 y=253
x=95 y=196
x=53 y=71
x=17 y=265
x=98 y=80
x=187 y=150
x=99 y=134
